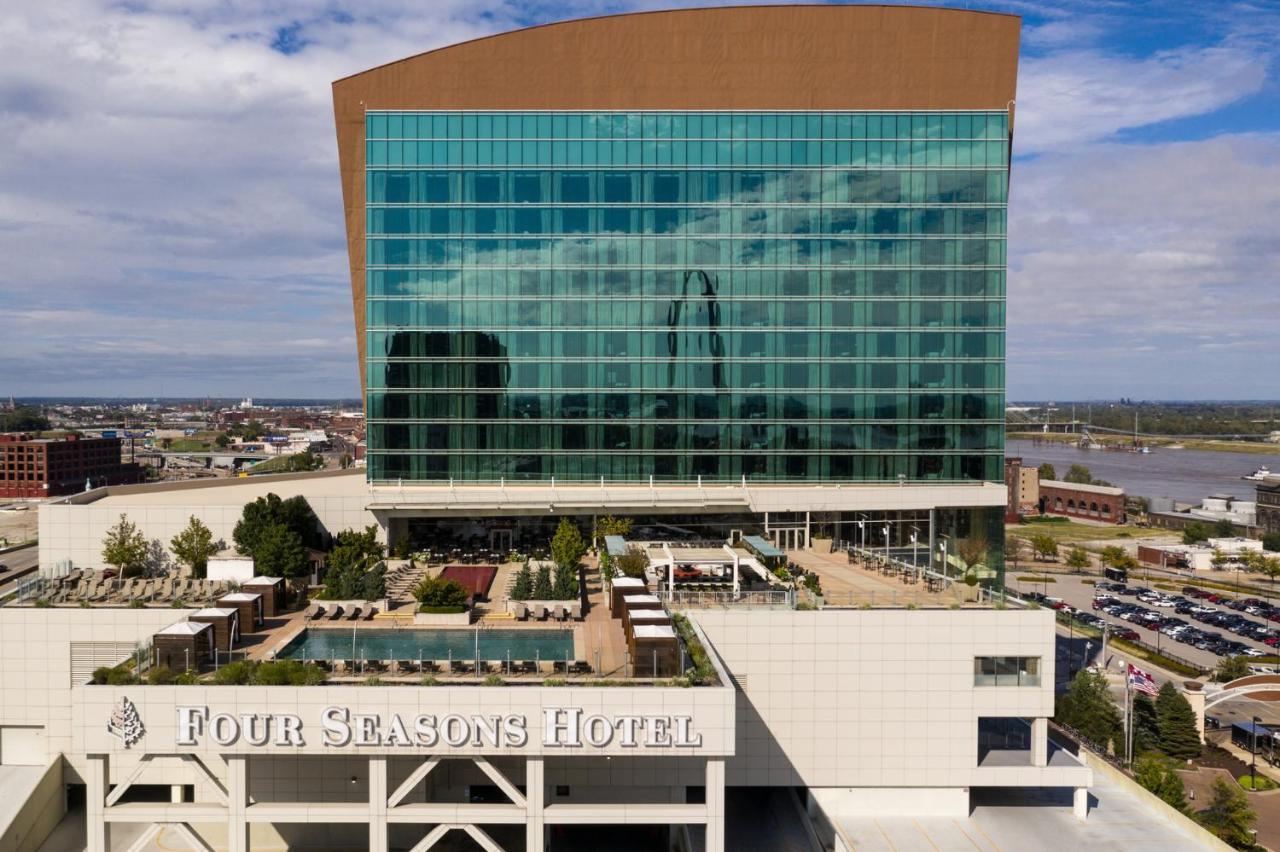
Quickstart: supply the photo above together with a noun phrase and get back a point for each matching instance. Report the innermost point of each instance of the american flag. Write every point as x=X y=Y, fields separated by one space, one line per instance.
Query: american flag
x=1141 y=681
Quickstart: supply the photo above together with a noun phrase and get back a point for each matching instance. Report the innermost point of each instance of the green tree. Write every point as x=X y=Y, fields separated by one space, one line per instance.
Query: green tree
x=1228 y=815
x=522 y=589
x=1269 y=567
x=193 y=546
x=1079 y=475
x=1087 y=707
x=23 y=419
x=373 y=585
x=542 y=590
x=1044 y=546
x=610 y=525
x=972 y=550
x=1078 y=558
x=126 y=548
x=441 y=593
x=1177 y=724
x=633 y=563
x=1112 y=555
x=1195 y=533
x=1271 y=541
x=1231 y=668
x=279 y=553
x=1146 y=725
x=565 y=586
x=1224 y=528
x=567 y=546
x=222 y=441
x=294 y=513
x=1046 y=471
x=1159 y=775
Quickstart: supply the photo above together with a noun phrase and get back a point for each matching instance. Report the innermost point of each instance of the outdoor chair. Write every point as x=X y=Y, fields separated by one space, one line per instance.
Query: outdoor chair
x=370 y=613
x=580 y=667
x=560 y=667
x=557 y=612
x=354 y=615
x=495 y=666
x=337 y=613
x=315 y=613
x=575 y=610
x=545 y=666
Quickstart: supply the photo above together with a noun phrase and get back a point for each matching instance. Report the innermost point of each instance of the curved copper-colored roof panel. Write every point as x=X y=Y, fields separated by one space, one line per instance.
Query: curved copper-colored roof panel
x=727 y=58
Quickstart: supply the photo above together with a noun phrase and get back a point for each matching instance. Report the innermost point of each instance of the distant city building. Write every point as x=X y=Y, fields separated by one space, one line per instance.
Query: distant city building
x=1243 y=514
x=1199 y=557
x=1023 y=484
x=49 y=467
x=1267 y=507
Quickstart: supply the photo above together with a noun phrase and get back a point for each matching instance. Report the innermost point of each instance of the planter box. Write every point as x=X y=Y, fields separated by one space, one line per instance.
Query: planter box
x=442 y=619
x=820 y=545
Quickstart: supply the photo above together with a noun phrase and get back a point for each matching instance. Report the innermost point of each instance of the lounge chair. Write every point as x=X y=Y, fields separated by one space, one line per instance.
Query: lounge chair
x=315 y=614
x=558 y=612
x=370 y=613
x=336 y=614
x=580 y=667
x=354 y=614
x=519 y=611
x=541 y=612
x=575 y=610
x=460 y=667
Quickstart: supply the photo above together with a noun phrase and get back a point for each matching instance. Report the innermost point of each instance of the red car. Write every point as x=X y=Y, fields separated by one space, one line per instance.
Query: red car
x=1124 y=633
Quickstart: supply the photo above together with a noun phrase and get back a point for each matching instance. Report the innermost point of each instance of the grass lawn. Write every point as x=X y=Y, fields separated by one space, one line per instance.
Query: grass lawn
x=1072 y=532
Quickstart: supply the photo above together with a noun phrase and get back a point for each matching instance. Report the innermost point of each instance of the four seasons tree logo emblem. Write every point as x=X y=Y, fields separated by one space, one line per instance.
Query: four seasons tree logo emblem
x=125 y=723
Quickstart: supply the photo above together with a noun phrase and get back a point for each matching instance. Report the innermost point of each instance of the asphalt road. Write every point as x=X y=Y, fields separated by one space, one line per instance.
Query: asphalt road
x=1075 y=593
x=17 y=560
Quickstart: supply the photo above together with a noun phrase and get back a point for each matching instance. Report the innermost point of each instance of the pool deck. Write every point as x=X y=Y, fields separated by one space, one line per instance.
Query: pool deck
x=598 y=638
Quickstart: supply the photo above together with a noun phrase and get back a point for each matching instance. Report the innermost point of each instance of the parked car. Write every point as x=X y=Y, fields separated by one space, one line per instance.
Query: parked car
x=1212 y=723
x=1124 y=633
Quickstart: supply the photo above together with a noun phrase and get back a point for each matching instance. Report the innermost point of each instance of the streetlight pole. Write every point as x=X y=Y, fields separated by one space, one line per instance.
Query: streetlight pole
x=1253 y=753
x=886 y=546
x=943 y=546
x=915 y=537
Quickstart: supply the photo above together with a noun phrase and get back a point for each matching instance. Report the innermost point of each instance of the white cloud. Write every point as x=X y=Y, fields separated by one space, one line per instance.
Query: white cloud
x=1130 y=262
x=1073 y=97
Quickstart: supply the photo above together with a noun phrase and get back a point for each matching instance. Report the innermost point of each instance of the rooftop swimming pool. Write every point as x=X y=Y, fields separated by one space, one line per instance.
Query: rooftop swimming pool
x=429 y=644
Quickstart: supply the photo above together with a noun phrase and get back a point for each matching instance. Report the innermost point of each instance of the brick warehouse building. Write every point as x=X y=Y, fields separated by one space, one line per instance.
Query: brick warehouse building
x=1093 y=502
x=49 y=467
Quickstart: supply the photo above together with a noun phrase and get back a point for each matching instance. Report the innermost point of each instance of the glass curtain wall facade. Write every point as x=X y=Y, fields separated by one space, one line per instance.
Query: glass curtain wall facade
x=777 y=296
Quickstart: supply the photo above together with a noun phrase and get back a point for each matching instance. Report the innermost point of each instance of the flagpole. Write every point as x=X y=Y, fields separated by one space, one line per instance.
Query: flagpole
x=1127 y=677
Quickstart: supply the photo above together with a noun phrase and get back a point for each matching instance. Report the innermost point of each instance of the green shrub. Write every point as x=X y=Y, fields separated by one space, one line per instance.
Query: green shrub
x=137 y=603
x=442 y=610
x=113 y=676
x=702 y=670
x=493 y=680
x=429 y=680
x=555 y=681
x=187 y=678
x=373 y=680
x=233 y=674
x=160 y=675
x=441 y=592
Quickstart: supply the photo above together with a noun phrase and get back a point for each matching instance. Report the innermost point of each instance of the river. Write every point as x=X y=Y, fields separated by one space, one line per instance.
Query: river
x=1185 y=475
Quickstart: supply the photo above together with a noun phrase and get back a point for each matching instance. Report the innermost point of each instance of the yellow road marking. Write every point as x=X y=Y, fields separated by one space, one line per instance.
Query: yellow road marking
x=925 y=835
x=884 y=835
x=960 y=828
x=978 y=828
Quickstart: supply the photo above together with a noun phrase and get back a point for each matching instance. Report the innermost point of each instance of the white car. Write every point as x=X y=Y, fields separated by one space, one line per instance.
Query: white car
x=1164 y=602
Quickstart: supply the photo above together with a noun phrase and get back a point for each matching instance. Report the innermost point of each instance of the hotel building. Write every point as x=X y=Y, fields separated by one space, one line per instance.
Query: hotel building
x=736 y=275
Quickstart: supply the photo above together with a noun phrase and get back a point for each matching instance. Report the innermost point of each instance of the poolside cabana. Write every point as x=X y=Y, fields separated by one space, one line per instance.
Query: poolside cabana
x=655 y=651
x=272 y=590
x=184 y=645
x=642 y=601
x=226 y=625
x=634 y=617
x=620 y=588
x=249 y=606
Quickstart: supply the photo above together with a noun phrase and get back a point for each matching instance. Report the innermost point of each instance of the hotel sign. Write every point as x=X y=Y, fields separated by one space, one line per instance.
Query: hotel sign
x=388 y=720
x=339 y=727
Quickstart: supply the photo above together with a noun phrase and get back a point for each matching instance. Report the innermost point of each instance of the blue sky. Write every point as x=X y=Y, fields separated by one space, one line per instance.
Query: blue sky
x=171 y=219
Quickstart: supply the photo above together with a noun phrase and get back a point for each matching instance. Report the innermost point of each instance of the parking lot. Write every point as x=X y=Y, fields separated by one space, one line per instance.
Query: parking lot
x=1188 y=624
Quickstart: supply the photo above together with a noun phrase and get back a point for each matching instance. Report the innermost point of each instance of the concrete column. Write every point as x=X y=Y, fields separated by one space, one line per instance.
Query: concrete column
x=97 y=833
x=715 y=805
x=535 y=787
x=1082 y=803
x=1039 y=742
x=378 y=804
x=237 y=802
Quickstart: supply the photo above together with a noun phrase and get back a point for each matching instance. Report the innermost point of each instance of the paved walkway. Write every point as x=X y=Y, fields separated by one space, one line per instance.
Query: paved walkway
x=846 y=583
x=1042 y=820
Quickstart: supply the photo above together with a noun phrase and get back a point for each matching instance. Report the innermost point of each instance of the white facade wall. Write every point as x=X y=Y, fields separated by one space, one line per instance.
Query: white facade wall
x=74 y=531
x=878 y=698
